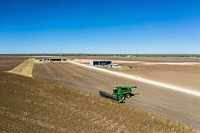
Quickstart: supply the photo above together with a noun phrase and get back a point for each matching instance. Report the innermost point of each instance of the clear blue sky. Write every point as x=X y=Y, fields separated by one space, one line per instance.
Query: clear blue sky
x=100 y=26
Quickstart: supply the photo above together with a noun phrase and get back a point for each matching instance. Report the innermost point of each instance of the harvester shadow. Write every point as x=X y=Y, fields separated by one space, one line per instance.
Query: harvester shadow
x=135 y=94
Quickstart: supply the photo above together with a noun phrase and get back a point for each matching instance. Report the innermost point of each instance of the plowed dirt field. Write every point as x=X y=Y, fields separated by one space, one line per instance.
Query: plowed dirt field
x=175 y=105
x=31 y=105
x=186 y=76
x=9 y=62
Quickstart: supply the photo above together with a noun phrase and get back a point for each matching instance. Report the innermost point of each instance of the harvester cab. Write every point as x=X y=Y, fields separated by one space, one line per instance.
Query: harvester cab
x=120 y=93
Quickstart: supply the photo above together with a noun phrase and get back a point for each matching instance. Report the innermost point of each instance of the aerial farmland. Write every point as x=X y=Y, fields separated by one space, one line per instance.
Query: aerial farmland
x=59 y=95
x=99 y=66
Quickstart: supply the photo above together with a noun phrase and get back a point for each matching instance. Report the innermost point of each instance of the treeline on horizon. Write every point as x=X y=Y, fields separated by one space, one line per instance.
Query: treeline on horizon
x=121 y=55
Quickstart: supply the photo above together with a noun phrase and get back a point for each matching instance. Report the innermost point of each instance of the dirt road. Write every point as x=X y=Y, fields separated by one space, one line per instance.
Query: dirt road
x=175 y=105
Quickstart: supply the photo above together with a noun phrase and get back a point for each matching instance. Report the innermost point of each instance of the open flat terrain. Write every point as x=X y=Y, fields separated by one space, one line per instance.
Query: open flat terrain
x=31 y=105
x=23 y=96
x=9 y=62
x=183 y=72
x=145 y=59
x=173 y=104
x=186 y=76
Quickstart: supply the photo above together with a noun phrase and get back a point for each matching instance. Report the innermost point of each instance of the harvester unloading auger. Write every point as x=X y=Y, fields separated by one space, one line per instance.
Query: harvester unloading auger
x=120 y=93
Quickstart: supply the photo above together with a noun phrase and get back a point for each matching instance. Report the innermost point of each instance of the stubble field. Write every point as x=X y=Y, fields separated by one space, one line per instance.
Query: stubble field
x=150 y=98
x=9 y=62
x=31 y=105
x=183 y=72
x=186 y=76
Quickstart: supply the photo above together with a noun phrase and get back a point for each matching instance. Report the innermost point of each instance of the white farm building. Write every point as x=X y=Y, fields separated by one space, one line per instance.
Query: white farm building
x=100 y=62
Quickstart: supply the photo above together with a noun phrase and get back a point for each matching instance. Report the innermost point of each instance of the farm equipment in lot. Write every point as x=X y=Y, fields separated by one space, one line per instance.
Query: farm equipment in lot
x=120 y=93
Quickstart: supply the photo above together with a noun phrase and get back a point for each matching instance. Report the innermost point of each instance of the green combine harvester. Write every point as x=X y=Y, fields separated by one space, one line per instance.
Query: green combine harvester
x=120 y=93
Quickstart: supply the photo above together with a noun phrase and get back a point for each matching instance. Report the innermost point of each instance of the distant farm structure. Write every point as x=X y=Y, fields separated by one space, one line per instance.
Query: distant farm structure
x=53 y=59
x=100 y=62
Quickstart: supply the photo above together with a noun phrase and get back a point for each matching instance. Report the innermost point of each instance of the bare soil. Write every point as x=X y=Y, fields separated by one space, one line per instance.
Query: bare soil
x=147 y=59
x=186 y=76
x=9 y=62
x=180 y=71
x=174 y=105
x=31 y=105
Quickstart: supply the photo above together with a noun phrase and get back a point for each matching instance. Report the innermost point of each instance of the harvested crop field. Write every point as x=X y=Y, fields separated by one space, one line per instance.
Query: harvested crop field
x=25 y=68
x=9 y=62
x=186 y=76
x=145 y=59
x=150 y=98
x=31 y=105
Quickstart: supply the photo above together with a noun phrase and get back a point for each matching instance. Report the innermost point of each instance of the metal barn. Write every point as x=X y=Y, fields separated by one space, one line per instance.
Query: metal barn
x=100 y=62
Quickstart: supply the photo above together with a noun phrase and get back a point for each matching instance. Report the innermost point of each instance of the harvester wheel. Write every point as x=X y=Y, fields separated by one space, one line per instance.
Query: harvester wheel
x=128 y=95
x=121 y=98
